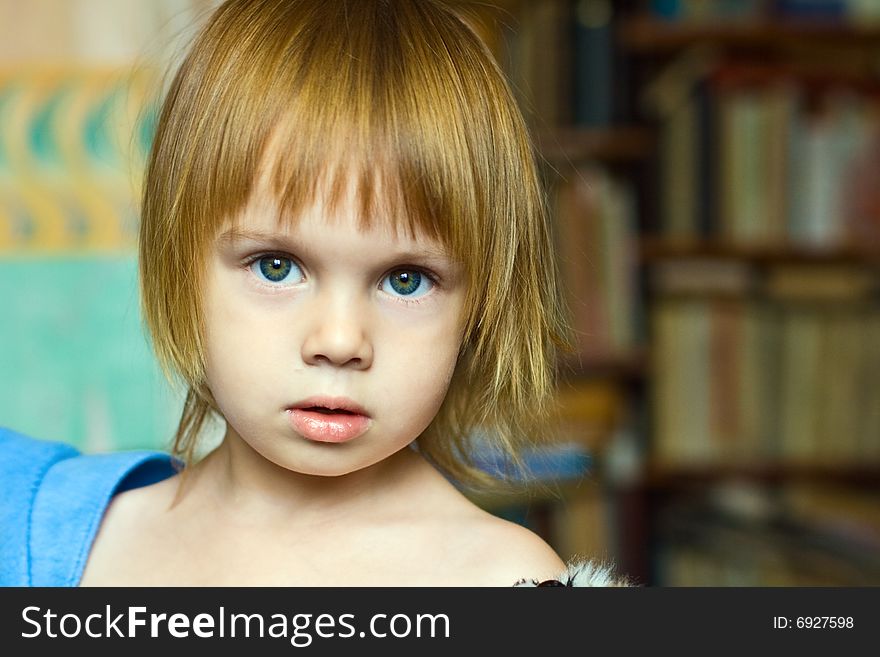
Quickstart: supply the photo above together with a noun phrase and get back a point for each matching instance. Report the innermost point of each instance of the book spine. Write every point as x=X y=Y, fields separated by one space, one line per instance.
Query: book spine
x=594 y=63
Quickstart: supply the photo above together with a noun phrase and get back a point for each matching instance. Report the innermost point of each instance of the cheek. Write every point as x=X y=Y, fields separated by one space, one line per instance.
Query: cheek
x=223 y=331
x=422 y=370
x=239 y=323
x=229 y=365
x=238 y=354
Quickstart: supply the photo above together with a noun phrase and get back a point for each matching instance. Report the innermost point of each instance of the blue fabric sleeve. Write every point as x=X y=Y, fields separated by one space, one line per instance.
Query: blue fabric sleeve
x=23 y=464
x=53 y=502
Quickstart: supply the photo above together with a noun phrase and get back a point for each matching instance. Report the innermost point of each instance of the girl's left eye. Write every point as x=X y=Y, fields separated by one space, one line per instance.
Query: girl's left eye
x=409 y=283
x=276 y=269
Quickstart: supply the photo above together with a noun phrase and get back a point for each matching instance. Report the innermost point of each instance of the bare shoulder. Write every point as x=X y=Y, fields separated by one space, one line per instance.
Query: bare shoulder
x=482 y=549
x=513 y=552
x=127 y=535
x=491 y=551
x=139 y=505
x=508 y=554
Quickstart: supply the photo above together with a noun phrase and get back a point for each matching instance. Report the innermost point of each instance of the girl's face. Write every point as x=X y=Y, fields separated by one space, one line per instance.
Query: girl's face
x=326 y=314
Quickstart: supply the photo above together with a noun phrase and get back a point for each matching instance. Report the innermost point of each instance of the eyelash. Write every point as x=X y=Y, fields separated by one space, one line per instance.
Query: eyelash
x=435 y=282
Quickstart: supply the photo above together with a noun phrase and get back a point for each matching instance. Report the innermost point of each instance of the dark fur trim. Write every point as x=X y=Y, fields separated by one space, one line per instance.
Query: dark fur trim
x=581 y=573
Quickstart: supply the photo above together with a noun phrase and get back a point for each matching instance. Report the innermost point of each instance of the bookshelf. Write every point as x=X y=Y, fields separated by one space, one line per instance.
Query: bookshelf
x=567 y=145
x=646 y=34
x=658 y=250
x=715 y=184
x=862 y=476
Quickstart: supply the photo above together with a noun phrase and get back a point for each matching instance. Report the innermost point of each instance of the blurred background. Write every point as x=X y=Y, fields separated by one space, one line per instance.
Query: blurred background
x=79 y=83
x=713 y=169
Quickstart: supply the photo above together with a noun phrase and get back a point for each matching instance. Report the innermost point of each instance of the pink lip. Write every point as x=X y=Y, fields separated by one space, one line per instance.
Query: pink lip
x=329 y=427
x=340 y=403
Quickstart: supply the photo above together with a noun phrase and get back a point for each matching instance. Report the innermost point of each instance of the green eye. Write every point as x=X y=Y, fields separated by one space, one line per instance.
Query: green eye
x=274 y=269
x=408 y=283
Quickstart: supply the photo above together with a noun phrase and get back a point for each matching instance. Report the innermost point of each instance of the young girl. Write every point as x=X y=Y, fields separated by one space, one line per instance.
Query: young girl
x=344 y=255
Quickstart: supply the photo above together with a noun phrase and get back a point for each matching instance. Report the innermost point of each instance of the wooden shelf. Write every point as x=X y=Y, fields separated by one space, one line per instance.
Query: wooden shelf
x=653 y=250
x=630 y=367
x=573 y=144
x=667 y=478
x=645 y=34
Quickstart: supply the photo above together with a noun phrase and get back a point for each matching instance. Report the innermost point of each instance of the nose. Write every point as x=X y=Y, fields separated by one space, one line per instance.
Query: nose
x=338 y=335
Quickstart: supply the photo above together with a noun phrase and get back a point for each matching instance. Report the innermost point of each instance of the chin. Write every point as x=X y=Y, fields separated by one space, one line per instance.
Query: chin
x=330 y=469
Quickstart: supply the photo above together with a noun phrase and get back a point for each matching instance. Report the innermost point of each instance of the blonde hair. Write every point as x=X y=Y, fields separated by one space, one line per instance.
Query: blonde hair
x=401 y=97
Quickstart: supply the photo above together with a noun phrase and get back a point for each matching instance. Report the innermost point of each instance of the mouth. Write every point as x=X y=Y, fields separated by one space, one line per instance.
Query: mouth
x=329 y=419
x=330 y=406
x=328 y=411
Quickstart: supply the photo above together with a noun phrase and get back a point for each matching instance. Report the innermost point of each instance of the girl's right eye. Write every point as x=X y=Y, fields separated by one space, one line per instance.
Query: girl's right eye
x=276 y=270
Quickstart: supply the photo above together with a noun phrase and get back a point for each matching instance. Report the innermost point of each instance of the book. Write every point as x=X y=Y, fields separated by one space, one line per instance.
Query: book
x=702 y=276
x=588 y=411
x=680 y=98
x=594 y=71
x=540 y=53
x=706 y=11
x=678 y=171
x=825 y=142
x=813 y=10
x=756 y=385
x=819 y=282
x=595 y=240
x=667 y=405
x=867 y=399
x=861 y=194
x=841 y=353
x=767 y=155
x=800 y=401
x=682 y=388
x=802 y=535
x=582 y=524
x=725 y=357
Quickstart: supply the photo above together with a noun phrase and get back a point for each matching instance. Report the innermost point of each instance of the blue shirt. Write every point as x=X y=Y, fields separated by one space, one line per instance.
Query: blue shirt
x=52 y=501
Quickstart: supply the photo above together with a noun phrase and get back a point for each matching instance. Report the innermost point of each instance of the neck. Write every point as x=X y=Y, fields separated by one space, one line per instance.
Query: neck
x=240 y=483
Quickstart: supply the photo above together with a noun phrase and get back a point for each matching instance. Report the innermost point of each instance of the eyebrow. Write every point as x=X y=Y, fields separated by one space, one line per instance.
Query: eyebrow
x=273 y=240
